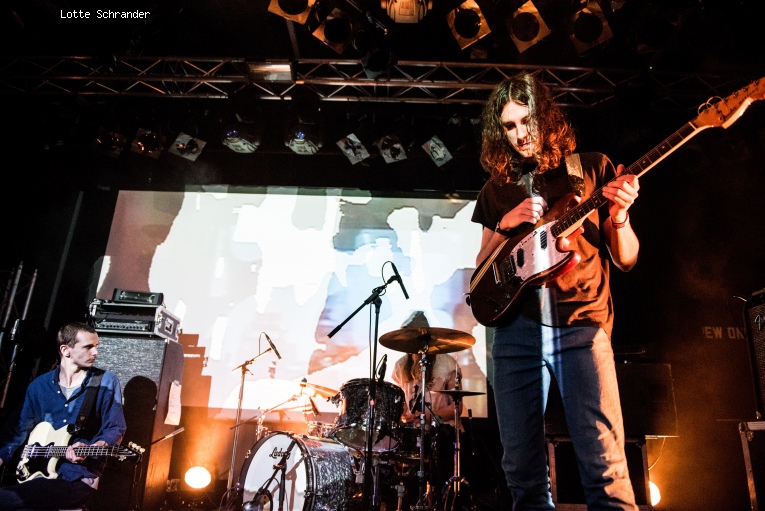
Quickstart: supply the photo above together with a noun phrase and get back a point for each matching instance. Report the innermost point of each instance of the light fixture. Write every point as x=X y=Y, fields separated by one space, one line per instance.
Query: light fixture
x=437 y=151
x=589 y=28
x=109 y=142
x=406 y=11
x=336 y=30
x=148 y=143
x=527 y=27
x=467 y=23
x=269 y=72
x=655 y=493
x=304 y=136
x=391 y=148
x=293 y=10
x=353 y=149
x=243 y=135
x=197 y=477
x=187 y=146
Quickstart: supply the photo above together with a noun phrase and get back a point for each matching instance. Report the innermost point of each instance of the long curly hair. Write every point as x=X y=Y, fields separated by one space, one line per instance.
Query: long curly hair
x=548 y=124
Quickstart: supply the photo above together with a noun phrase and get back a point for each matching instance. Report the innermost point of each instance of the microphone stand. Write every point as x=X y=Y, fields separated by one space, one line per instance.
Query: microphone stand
x=374 y=298
x=243 y=367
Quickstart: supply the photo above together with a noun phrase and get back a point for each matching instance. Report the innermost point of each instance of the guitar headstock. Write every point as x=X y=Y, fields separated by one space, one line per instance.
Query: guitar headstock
x=727 y=111
x=132 y=452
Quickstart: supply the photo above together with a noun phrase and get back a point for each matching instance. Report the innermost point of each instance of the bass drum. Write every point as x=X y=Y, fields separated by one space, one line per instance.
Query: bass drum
x=319 y=474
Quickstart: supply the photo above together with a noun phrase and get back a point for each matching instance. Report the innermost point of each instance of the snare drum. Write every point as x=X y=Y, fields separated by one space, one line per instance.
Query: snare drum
x=319 y=474
x=353 y=421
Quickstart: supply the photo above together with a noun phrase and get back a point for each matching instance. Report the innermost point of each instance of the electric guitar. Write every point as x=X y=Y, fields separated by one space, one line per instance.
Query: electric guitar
x=541 y=253
x=46 y=445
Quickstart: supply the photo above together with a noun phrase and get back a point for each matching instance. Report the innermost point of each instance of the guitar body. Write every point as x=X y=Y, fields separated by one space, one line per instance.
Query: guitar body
x=32 y=467
x=531 y=258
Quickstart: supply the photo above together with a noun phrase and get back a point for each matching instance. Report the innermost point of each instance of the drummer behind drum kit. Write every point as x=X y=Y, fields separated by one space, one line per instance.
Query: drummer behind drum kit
x=324 y=470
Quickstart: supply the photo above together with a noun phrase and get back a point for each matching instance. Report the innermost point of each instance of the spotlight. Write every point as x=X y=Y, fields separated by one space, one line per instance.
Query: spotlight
x=197 y=477
x=655 y=493
x=187 y=147
x=589 y=28
x=391 y=148
x=406 y=11
x=109 y=142
x=467 y=23
x=335 y=30
x=243 y=135
x=353 y=148
x=148 y=143
x=437 y=151
x=527 y=27
x=294 y=10
x=304 y=137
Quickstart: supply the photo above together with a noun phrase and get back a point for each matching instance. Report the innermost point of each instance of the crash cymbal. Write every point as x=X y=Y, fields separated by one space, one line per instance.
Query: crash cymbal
x=437 y=340
x=458 y=393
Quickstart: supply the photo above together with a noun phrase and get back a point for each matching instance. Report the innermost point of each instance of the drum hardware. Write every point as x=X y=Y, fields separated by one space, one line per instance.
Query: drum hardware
x=454 y=496
x=263 y=495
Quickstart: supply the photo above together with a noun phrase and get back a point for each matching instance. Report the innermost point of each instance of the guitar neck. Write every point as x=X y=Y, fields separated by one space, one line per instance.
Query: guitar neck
x=59 y=451
x=640 y=167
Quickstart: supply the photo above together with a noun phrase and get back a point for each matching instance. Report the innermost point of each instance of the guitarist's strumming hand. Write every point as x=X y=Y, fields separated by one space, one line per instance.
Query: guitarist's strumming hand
x=530 y=210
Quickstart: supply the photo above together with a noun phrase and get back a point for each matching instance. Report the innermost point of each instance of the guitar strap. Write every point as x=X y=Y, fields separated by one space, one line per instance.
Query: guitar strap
x=91 y=391
x=575 y=173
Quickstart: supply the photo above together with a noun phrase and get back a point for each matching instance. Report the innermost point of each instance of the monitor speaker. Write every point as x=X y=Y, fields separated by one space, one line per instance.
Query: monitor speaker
x=147 y=369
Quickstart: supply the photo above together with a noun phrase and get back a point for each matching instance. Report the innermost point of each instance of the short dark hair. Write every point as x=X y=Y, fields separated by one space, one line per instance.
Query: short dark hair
x=67 y=334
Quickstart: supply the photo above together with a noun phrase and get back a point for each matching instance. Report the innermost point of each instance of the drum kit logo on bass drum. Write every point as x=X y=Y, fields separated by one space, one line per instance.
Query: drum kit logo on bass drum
x=327 y=468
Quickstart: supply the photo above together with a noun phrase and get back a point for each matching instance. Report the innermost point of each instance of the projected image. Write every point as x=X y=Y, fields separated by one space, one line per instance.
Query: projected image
x=295 y=264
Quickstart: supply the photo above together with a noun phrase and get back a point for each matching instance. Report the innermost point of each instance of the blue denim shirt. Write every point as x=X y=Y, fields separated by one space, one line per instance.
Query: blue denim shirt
x=44 y=402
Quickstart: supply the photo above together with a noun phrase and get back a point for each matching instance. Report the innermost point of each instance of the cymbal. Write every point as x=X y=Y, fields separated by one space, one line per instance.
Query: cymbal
x=458 y=393
x=437 y=340
x=318 y=391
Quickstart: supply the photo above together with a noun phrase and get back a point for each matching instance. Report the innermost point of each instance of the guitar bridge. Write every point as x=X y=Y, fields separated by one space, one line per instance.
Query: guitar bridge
x=504 y=270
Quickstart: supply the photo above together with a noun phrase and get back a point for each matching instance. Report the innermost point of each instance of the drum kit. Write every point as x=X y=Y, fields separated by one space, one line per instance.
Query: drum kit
x=329 y=467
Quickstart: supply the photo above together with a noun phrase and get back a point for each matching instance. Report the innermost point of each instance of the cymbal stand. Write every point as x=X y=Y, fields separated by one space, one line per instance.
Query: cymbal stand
x=454 y=499
x=423 y=502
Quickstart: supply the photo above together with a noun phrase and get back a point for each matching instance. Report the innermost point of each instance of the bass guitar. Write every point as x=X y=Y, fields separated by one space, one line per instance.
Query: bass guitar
x=541 y=253
x=46 y=445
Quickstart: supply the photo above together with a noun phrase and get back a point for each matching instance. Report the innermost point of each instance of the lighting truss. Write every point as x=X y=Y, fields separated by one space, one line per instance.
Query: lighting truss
x=345 y=80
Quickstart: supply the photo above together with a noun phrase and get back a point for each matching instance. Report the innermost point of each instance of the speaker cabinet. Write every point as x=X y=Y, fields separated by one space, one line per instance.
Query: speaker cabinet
x=146 y=368
x=755 y=325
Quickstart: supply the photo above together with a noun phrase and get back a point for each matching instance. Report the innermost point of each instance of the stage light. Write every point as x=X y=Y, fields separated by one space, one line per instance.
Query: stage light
x=270 y=72
x=437 y=151
x=294 y=10
x=148 y=143
x=467 y=23
x=187 y=147
x=109 y=142
x=197 y=477
x=406 y=11
x=527 y=27
x=353 y=149
x=243 y=135
x=336 y=30
x=655 y=493
x=304 y=137
x=589 y=28
x=391 y=148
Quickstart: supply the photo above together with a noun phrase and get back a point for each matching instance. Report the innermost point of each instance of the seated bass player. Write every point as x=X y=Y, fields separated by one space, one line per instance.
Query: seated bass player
x=52 y=405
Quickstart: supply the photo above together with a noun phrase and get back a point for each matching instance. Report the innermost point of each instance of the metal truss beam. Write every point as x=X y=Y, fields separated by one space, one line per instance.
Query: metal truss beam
x=345 y=80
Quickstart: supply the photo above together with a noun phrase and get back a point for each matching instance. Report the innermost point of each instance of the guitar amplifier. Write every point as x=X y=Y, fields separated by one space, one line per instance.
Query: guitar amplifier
x=755 y=325
x=133 y=319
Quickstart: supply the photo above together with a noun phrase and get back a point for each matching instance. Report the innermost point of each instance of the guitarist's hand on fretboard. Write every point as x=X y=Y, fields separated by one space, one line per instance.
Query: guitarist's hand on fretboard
x=621 y=193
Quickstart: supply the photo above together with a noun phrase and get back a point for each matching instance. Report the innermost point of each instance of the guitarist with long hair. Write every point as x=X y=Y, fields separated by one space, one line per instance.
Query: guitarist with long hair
x=53 y=403
x=560 y=327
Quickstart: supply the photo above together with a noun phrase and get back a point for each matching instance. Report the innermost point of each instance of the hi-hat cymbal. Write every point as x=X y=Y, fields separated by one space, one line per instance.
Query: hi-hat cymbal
x=458 y=393
x=437 y=340
x=317 y=390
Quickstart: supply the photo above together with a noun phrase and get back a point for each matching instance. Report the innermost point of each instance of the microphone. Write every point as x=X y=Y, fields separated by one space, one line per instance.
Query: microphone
x=383 y=367
x=314 y=410
x=400 y=282
x=273 y=348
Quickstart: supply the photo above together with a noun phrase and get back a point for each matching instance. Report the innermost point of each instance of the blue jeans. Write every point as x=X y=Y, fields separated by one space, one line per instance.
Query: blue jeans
x=582 y=360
